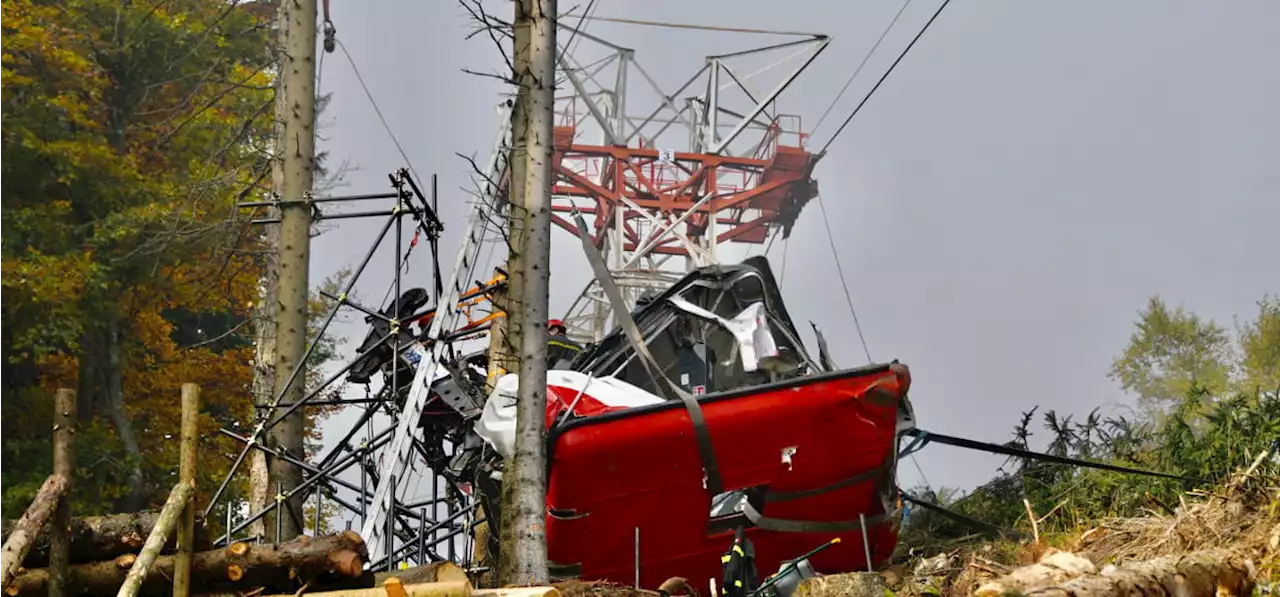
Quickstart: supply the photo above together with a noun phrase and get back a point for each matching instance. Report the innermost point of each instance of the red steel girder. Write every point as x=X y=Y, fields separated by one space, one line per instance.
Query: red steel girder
x=618 y=178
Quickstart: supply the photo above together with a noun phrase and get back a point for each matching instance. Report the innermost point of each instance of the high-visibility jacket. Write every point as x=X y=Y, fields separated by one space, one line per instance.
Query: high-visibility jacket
x=561 y=350
x=739 y=566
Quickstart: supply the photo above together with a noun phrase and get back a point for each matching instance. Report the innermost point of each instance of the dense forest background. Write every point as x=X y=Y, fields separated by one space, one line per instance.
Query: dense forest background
x=131 y=130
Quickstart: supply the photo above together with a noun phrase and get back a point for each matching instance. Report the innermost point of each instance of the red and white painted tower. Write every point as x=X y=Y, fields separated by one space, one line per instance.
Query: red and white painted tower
x=689 y=174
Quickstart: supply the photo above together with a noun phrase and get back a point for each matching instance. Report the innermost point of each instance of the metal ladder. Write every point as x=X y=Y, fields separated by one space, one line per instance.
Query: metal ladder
x=396 y=460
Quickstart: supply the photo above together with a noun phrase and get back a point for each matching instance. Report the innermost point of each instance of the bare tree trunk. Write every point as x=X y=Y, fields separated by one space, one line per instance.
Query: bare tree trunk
x=264 y=375
x=517 y=221
x=528 y=469
x=113 y=385
x=295 y=141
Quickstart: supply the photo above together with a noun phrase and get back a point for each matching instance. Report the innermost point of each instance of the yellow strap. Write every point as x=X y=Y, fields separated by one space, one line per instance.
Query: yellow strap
x=738 y=550
x=725 y=559
x=737 y=583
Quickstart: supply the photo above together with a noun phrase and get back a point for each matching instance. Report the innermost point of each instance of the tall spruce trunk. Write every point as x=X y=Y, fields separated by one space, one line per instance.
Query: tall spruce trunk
x=295 y=153
x=512 y=298
x=528 y=468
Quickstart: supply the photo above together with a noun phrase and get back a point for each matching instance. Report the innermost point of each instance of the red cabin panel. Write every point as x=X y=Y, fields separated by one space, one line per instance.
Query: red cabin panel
x=640 y=468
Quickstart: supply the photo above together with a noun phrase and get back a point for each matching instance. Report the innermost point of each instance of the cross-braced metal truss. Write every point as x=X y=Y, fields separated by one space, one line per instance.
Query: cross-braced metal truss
x=686 y=173
x=432 y=514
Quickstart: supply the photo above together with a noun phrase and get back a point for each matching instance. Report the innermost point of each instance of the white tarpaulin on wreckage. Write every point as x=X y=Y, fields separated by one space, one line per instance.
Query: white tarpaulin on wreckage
x=585 y=394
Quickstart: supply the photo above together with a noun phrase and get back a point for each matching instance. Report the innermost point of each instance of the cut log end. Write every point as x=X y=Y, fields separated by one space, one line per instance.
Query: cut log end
x=346 y=562
x=126 y=561
x=234 y=572
x=394 y=588
x=353 y=537
x=238 y=549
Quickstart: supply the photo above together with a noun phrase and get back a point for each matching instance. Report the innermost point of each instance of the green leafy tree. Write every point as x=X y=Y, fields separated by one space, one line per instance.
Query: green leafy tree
x=1259 y=342
x=1205 y=432
x=1170 y=351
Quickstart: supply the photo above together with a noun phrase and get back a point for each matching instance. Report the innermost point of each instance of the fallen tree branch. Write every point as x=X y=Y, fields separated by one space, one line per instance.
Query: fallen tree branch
x=25 y=530
x=239 y=566
x=178 y=499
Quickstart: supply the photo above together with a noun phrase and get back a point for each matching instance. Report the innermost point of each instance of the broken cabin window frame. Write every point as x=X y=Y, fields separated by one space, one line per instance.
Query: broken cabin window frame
x=806 y=365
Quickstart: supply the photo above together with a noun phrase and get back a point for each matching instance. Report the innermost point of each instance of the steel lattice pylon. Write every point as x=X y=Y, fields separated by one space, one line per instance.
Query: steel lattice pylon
x=683 y=177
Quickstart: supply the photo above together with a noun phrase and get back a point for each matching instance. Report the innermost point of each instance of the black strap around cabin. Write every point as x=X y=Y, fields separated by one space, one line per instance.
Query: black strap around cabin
x=925 y=437
x=786 y=525
x=985 y=528
x=706 y=451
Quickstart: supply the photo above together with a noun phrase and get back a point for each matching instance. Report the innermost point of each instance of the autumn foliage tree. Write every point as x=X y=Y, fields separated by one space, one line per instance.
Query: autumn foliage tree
x=130 y=132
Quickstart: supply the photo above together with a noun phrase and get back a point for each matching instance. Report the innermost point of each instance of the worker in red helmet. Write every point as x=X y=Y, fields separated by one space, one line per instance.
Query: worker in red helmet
x=560 y=349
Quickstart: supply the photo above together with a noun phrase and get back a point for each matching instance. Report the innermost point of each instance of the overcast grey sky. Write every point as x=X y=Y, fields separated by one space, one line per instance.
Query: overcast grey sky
x=1005 y=203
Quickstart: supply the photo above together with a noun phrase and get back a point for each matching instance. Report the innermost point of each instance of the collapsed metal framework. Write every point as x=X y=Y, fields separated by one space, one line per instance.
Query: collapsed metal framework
x=648 y=202
x=416 y=522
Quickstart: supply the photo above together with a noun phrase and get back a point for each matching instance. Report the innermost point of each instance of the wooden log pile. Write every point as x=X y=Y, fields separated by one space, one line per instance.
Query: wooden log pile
x=240 y=566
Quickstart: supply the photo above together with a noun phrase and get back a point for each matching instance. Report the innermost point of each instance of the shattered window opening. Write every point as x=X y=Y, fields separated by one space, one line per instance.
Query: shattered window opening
x=685 y=331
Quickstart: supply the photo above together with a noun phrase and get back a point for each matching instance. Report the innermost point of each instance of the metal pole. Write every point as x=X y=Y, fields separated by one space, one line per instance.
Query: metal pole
x=351 y=215
x=453 y=547
x=422 y=537
x=435 y=500
x=228 y=540
x=279 y=515
x=334 y=199
x=866 y=544
x=391 y=524
x=315 y=532
x=637 y=558
x=364 y=489
x=436 y=287
x=295 y=151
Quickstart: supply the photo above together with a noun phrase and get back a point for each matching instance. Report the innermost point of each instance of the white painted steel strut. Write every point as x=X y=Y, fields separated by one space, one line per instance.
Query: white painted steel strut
x=442 y=325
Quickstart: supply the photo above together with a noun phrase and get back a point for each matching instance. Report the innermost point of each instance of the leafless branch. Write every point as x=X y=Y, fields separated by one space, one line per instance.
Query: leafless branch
x=505 y=79
x=220 y=336
x=497 y=30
